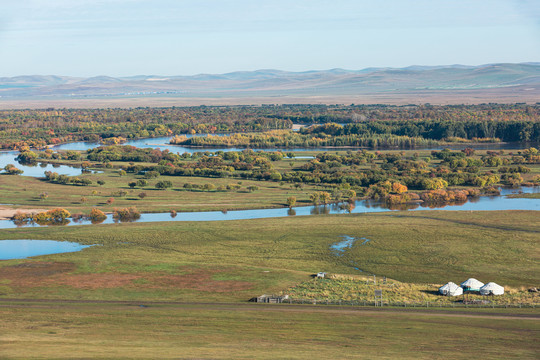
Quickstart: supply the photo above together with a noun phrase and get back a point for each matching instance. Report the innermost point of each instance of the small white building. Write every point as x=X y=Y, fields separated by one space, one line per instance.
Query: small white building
x=451 y=289
x=471 y=285
x=491 y=289
x=321 y=275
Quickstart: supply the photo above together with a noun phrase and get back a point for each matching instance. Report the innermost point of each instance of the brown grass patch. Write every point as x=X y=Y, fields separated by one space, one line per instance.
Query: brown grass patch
x=38 y=274
x=200 y=280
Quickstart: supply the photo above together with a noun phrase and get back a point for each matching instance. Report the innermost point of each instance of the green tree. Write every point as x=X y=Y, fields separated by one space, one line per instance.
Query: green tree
x=291 y=201
x=163 y=184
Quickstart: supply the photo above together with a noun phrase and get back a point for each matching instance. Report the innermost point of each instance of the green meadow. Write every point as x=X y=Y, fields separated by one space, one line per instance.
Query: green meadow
x=49 y=330
x=236 y=260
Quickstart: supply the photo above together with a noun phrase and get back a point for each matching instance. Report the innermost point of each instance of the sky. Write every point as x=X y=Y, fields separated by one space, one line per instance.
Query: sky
x=186 y=37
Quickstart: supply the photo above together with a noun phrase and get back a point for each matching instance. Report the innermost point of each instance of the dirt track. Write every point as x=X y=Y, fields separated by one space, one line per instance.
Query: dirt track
x=352 y=310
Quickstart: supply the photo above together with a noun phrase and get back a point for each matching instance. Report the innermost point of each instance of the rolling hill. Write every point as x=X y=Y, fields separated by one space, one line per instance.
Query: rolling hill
x=506 y=82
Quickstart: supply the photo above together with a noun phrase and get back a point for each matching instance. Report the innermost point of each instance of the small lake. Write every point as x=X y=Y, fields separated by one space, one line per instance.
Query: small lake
x=36 y=170
x=22 y=249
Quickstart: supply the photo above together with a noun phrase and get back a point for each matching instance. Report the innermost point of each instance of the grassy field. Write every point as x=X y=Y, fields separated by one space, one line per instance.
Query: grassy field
x=526 y=196
x=105 y=331
x=359 y=289
x=25 y=191
x=236 y=260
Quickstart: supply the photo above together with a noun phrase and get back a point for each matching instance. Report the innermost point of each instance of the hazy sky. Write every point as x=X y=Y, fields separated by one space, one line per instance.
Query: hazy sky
x=183 y=37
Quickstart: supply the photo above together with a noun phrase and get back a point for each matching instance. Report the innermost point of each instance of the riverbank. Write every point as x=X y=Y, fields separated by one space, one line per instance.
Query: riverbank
x=7 y=213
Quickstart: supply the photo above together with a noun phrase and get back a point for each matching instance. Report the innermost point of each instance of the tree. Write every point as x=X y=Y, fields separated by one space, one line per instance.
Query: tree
x=101 y=182
x=132 y=184
x=122 y=173
x=12 y=170
x=398 y=188
x=275 y=176
x=315 y=198
x=142 y=195
x=110 y=201
x=142 y=183
x=97 y=215
x=291 y=201
x=151 y=174
x=209 y=187
x=163 y=184
x=252 y=188
x=325 y=197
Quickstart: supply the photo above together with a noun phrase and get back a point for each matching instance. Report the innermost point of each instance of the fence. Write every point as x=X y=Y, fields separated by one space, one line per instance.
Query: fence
x=409 y=304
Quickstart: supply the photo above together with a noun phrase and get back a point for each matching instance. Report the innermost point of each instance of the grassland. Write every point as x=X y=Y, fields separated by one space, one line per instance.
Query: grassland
x=120 y=331
x=236 y=260
x=359 y=289
x=232 y=261
x=25 y=193
x=526 y=196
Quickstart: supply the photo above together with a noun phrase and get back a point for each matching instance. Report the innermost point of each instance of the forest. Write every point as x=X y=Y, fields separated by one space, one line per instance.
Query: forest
x=394 y=177
x=504 y=122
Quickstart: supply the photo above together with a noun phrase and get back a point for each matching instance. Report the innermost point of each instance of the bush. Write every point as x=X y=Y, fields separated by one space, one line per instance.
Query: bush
x=126 y=214
x=163 y=184
x=52 y=217
x=97 y=215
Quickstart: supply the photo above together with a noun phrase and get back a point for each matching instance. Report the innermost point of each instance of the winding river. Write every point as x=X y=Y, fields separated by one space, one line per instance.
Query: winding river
x=484 y=203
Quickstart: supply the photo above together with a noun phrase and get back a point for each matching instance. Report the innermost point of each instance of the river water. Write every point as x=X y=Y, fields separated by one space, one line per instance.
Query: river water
x=484 y=203
x=162 y=143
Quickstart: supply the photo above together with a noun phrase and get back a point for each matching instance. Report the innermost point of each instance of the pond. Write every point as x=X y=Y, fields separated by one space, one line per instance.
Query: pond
x=483 y=203
x=340 y=247
x=22 y=249
x=36 y=170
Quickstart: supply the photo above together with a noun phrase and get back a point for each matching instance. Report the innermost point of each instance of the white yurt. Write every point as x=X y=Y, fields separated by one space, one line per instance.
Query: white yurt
x=491 y=289
x=471 y=285
x=451 y=289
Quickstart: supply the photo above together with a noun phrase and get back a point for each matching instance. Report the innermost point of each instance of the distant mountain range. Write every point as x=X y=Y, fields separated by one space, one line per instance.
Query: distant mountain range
x=272 y=83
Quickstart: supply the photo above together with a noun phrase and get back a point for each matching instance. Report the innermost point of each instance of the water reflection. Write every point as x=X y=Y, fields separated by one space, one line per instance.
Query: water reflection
x=484 y=203
x=320 y=210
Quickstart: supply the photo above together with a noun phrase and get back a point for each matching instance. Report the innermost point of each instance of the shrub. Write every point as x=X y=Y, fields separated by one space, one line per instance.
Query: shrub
x=52 y=217
x=97 y=215
x=126 y=214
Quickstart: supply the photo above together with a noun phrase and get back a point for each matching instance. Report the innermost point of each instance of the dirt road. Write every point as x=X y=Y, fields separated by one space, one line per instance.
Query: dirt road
x=499 y=314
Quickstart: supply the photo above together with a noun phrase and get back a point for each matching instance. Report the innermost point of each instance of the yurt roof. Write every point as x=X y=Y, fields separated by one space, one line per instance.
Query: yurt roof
x=472 y=283
x=449 y=286
x=492 y=286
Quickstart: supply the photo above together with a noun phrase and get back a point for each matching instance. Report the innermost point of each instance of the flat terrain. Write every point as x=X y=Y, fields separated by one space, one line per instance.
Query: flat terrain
x=237 y=260
x=233 y=331
x=507 y=95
